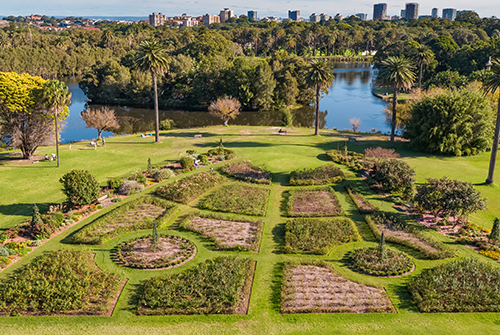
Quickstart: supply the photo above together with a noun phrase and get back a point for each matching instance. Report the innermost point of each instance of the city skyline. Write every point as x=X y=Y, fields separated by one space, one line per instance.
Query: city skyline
x=279 y=8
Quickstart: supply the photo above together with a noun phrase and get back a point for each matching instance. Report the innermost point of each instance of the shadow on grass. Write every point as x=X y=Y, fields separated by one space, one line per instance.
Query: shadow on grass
x=275 y=297
x=279 y=238
x=284 y=202
x=136 y=291
x=404 y=297
x=282 y=178
x=25 y=209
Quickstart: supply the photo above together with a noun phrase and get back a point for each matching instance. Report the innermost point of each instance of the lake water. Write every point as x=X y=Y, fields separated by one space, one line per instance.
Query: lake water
x=350 y=96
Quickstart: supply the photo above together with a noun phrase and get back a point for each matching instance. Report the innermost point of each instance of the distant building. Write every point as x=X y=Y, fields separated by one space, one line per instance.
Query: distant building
x=209 y=19
x=226 y=14
x=294 y=15
x=411 y=10
x=338 y=17
x=403 y=13
x=434 y=12
x=450 y=14
x=273 y=19
x=395 y=17
x=362 y=16
x=189 y=22
x=318 y=18
x=252 y=14
x=380 y=11
x=157 y=19
x=34 y=17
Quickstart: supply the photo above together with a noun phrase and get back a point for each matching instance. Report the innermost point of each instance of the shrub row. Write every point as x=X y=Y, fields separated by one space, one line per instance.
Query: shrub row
x=363 y=206
x=368 y=260
x=246 y=171
x=326 y=174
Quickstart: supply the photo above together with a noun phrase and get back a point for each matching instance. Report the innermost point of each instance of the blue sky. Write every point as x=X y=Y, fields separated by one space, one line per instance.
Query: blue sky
x=198 y=7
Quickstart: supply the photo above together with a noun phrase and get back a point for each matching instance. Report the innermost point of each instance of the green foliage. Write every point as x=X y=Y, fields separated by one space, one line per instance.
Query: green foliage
x=245 y=170
x=416 y=238
x=188 y=188
x=36 y=217
x=186 y=162
x=163 y=174
x=456 y=123
x=464 y=285
x=115 y=183
x=139 y=177
x=495 y=232
x=65 y=281
x=286 y=117
x=155 y=238
x=318 y=236
x=212 y=287
x=125 y=219
x=363 y=206
x=167 y=124
x=368 y=260
x=395 y=176
x=449 y=197
x=203 y=159
x=382 y=250
x=238 y=198
x=130 y=187
x=326 y=174
x=80 y=187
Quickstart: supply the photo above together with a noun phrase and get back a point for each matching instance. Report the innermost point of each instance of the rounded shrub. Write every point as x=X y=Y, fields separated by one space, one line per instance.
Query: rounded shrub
x=203 y=159
x=80 y=187
x=163 y=174
x=187 y=162
x=131 y=187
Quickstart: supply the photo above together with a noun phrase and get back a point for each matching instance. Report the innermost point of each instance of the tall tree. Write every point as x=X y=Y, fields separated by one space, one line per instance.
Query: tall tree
x=425 y=56
x=56 y=98
x=152 y=57
x=491 y=85
x=398 y=73
x=319 y=77
x=103 y=119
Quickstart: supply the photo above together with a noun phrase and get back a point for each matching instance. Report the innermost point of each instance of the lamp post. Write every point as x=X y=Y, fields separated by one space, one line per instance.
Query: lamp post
x=489 y=64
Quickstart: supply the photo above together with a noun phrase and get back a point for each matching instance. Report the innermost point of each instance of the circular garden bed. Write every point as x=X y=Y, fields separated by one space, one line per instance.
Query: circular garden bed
x=170 y=252
x=368 y=260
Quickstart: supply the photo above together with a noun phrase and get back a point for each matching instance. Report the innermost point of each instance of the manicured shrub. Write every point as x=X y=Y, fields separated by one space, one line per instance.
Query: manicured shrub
x=495 y=232
x=186 y=162
x=363 y=206
x=326 y=174
x=286 y=118
x=379 y=154
x=449 y=197
x=163 y=174
x=395 y=176
x=139 y=177
x=459 y=123
x=131 y=187
x=167 y=124
x=36 y=217
x=115 y=183
x=393 y=263
x=80 y=187
x=203 y=159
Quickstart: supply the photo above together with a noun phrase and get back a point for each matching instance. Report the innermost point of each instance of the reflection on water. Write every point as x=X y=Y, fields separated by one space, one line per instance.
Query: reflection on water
x=349 y=97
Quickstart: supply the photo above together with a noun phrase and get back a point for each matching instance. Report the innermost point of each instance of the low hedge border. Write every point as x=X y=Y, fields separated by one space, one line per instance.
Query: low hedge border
x=289 y=202
x=355 y=196
x=218 y=244
x=223 y=171
x=294 y=181
x=444 y=251
x=83 y=236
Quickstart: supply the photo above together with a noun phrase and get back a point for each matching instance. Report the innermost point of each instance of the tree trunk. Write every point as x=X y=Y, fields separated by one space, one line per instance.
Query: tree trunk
x=494 y=149
x=157 y=113
x=318 y=91
x=420 y=75
x=99 y=133
x=394 y=111
x=57 y=140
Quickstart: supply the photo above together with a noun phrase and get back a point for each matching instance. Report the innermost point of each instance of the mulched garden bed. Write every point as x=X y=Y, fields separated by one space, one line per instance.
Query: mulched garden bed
x=315 y=287
x=312 y=202
x=246 y=171
x=172 y=251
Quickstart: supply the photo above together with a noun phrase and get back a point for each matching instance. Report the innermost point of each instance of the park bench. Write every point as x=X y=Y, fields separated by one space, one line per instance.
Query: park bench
x=197 y=136
x=282 y=132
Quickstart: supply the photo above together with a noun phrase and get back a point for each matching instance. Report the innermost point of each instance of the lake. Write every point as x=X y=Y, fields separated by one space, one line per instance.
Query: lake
x=350 y=96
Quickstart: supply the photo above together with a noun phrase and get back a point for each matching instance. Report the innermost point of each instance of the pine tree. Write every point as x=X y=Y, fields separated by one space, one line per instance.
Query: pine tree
x=382 y=251
x=155 y=239
x=495 y=232
x=150 y=166
x=37 y=217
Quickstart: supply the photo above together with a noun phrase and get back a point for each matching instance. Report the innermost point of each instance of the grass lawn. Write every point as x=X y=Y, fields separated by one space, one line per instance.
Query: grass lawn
x=26 y=184
x=383 y=90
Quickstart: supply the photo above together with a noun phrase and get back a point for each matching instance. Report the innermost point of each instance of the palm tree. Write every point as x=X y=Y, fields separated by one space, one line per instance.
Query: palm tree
x=56 y=98
x=398 y=73
x=152 y=57
x=318 y=77
x=491 y=85
x=425 y=56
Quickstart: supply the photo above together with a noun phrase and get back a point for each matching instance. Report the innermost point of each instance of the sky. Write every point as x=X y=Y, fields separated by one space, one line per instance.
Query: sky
x=485 y=8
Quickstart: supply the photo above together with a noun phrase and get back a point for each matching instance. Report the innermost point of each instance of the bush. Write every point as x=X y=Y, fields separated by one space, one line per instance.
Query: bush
x=139 y=177
x=449 y=197
x=115 y=183
x=80 y=187
x=369 y=260
x=378 y=154
x=395 y=176
x=163 y=174
x=326 y=174
x=286 y=118
x=187 y=162
x=458 y=123
x=167 y=124
x=130 y=187
x=203 y=159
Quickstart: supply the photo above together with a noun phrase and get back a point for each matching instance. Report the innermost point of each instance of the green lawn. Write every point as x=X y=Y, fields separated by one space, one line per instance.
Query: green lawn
x=386 y=93
x=22 y=185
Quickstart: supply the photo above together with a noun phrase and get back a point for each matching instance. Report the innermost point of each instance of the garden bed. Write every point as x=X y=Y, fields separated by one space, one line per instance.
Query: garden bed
x=64 y=282
x=399 y=233
x=314 y=287
x=318 y=236
x=238 y=198
x=320 y=201
x=465 y=285
x=189 y=188
x=363 y=206
x=171 y=251
x=217 y=286
x=226 y=234
x=368 y=260
x=136 y=215
x=326 y=174
x=246 y=171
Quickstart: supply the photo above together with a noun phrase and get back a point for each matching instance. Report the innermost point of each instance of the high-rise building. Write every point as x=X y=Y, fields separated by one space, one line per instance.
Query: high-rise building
x=434 y=12
x=362 y=16
x=209 y=19
x=411 y=10
x=252 y=15
x=226 y=14
x=318 y=18
x=449 y=14
x=403 y=13
x=380 y=11
x=157 y=19
x=294 y=15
